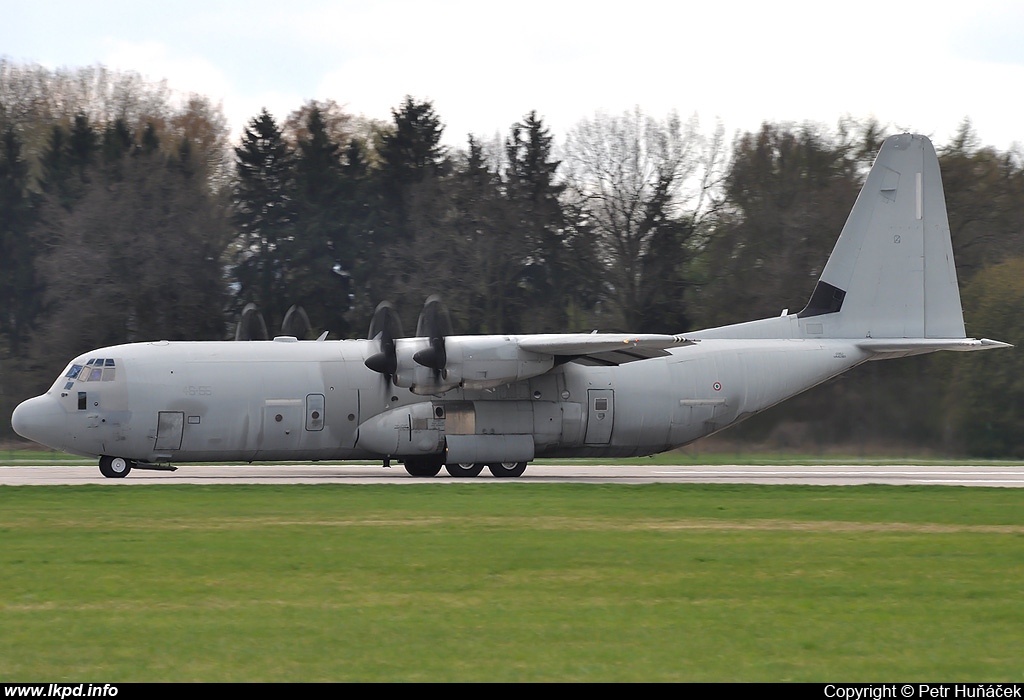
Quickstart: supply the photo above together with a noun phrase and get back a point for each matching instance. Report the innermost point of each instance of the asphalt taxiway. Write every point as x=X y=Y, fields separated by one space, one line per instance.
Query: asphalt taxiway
x=828 y=475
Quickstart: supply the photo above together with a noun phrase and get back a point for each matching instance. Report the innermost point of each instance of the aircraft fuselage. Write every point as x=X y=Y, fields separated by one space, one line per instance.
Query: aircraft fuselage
x=291 y=400
x=888 y=290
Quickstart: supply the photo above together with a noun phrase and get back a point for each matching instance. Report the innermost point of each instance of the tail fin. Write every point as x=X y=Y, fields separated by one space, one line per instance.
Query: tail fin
x=890 y=283
x=891 y=273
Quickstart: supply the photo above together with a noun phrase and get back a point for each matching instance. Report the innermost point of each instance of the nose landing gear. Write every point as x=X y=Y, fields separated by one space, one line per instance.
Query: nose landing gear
x=115 y=467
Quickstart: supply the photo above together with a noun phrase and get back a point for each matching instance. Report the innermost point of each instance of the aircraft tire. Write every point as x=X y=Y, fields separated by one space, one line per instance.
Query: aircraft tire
x=423 y=466
x=507 y=469
x=115 y=467
x=464 y=470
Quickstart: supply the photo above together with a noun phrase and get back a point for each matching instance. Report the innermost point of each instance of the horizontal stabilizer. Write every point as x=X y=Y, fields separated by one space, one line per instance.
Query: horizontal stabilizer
x=919 y=345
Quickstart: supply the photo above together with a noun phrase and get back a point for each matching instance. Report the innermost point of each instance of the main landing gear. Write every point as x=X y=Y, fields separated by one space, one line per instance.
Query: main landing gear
x=115 y=467
x=424 y=466
x=431 y=466
x=507 y=469
x=464 y=470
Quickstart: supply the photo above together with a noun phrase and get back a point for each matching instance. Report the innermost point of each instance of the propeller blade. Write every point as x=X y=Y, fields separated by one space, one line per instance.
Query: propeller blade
x=251 y=325
x=296 y=322
x=435 y=324
x=434 y=319
x=385 y=320
x=385 y=327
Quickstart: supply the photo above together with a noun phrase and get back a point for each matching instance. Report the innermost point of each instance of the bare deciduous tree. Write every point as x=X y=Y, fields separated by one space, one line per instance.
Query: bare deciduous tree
x=641 y=185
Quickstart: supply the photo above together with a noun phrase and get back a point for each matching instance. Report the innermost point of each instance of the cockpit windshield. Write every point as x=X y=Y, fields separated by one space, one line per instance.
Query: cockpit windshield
x=102 y=369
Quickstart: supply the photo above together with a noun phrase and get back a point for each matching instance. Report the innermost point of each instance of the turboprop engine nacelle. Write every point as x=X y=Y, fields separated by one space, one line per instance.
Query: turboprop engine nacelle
x=464 y=431
x=472 y=362
x=418 y=378
x=409 y=430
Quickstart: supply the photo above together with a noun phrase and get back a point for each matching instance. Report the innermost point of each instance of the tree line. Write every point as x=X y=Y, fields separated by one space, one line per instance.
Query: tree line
x=126 y=215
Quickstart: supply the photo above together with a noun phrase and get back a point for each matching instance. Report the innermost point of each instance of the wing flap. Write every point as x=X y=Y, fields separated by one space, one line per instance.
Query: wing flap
x=615 y=358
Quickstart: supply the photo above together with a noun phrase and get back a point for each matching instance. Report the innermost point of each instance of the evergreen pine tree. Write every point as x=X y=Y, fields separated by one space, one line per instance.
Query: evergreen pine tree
x=533 y=189
x=399 y=252
x=264 y=215
x=319 y=255
x=19 y=296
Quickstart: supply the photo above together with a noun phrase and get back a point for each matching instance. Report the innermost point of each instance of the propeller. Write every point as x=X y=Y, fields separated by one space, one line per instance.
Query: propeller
x=385 y=327
x=296 y=322
x=434 y=324
x=251 y=325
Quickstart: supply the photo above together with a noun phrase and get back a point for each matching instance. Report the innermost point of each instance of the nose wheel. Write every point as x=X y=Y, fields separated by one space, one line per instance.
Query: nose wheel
x=115 y=467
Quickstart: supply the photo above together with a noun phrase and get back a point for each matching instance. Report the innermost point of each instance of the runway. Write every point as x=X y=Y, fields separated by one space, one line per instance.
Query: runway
x=825 y=475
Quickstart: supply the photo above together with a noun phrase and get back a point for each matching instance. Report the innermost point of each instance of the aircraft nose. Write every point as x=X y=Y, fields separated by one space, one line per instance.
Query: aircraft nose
x=41 y=420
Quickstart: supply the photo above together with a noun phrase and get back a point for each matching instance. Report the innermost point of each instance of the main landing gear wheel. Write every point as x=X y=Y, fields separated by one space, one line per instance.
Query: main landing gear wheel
x=464 y=470
x=115 y=467
x=423 y=466
x=507 y=469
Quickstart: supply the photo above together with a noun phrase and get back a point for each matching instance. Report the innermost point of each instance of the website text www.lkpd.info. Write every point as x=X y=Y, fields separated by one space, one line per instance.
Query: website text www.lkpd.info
x=60 y=690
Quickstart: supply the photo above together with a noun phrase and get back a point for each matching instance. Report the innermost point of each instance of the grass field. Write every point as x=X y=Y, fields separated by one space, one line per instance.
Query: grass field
x=530 y=582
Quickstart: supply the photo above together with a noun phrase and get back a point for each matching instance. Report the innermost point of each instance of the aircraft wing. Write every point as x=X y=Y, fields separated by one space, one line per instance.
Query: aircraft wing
x=603 y=349
x=574 y=344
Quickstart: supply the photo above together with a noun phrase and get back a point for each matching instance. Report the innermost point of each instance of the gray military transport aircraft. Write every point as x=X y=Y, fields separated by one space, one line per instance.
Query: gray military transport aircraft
x=438 y=400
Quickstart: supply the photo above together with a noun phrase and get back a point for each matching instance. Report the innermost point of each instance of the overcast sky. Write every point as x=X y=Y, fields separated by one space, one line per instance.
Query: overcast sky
x=921 y=66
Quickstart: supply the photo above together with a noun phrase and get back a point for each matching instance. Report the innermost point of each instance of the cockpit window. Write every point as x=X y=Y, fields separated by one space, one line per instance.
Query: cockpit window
x=101 y=369
x=71 y=376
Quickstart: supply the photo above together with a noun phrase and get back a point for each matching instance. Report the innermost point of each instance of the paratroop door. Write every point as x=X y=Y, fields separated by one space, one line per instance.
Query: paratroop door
x=600 y=413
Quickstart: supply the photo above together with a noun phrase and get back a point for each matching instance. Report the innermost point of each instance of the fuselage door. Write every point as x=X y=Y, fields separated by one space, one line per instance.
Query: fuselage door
x=314 y=411
x=600 y=414
x=168 y=430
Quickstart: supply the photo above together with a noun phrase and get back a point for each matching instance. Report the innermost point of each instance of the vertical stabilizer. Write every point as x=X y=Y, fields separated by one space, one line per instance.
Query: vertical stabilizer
x=891 y=273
